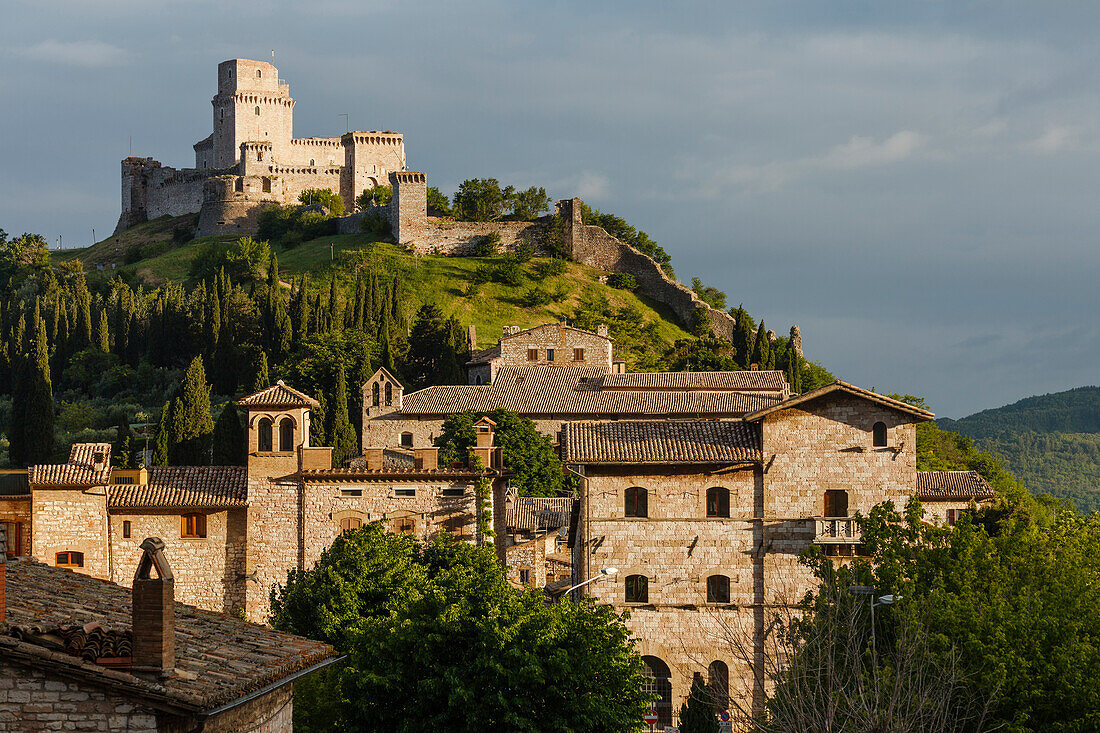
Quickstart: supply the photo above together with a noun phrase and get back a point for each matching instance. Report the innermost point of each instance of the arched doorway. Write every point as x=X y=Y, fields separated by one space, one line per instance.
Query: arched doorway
x=658 y=681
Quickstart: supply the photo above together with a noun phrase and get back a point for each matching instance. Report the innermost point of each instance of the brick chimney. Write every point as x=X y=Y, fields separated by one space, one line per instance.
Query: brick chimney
x=154 y=611
x=375 y=458
x=483 y=449
x=426 y=459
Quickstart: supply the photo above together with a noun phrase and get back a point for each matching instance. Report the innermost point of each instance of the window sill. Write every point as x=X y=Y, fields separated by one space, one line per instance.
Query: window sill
x=191 y=537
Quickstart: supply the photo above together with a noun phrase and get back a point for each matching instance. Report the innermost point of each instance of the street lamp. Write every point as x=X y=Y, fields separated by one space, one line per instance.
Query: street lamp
x=604 y=573
x=887 y=600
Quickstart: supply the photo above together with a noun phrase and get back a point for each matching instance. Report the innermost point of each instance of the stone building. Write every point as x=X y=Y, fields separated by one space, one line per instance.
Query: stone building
x=252 y=159
x=78 y=653
x=536 y=543
x=704 y=521
x=235 y=531
x=559 y=388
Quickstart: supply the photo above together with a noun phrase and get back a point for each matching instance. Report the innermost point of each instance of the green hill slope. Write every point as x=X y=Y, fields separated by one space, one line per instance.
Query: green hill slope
x=1051 y=442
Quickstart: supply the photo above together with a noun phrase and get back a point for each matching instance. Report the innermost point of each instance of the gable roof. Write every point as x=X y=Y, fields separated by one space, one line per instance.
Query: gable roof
x=567 y=391
x=554 y=324
x=278 y=395
x=537 y=512
x=958 y=485
x=661 y=441
x=218 y=658
x=851 y=389
x=206 y=487
x=484 y=356
x=386 y=373
x=79 y=471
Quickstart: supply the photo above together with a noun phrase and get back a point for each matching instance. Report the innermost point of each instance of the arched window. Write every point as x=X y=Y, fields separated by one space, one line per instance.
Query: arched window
x=348 y=524
x=376 y=396
x=878 y=435
x=257 y=110
x=718 y=589
x=259 y=74
x=718 y=502
x=264 y=439
x=477 y=379
x=718 y=679
x=637 y=589
x=658 y=683
x=389 y=394
x=286 y=434
x=836 y=503
x=636 y=502
x=406 y=440
x=311 y=162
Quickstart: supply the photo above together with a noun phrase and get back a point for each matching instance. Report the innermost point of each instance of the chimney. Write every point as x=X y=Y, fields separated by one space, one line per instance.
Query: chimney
x=483 y=449
x=154 y=611
x=471 y=336
x=374 y=458
x=99 y=461
x=601 y=330
x=427 y=459
x=3 y=571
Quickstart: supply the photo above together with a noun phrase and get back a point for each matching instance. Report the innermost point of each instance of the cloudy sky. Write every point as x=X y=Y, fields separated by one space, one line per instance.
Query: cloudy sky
x=913 y=183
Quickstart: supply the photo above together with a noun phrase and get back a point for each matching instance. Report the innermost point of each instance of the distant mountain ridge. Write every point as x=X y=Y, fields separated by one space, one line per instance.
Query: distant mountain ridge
x=1050 y=442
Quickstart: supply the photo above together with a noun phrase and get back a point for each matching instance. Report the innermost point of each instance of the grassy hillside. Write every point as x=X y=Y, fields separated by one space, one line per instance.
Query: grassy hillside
x=1051 y=442
x=147 y=253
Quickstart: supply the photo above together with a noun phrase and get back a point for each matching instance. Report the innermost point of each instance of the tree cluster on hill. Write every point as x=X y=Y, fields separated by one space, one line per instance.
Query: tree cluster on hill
x=437 y=639
x=482 y=199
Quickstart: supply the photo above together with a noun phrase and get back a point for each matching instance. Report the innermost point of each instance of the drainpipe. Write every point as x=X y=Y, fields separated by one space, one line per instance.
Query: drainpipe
x=582 y=542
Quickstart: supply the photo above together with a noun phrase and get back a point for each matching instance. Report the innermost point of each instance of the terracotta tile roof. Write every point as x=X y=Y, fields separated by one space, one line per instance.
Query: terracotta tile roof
x=278 y=395
x=749 y=381
x=839 y=386
x=941 y=485
x=537 y=512
x=79 y=471
x=218 y=658
x=542 y=390
x=91 y=642
x=184 y=486
x=662 y=441
x=397 y=472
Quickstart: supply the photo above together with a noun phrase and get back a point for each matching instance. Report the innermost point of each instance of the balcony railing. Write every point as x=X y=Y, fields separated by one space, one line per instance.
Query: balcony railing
x=836 y=530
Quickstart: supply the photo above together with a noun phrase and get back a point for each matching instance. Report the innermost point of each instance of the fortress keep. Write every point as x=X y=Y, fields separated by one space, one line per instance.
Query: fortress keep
x=252 y=158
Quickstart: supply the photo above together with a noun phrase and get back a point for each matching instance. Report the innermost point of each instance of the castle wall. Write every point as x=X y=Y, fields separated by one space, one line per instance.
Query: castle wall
x=207 y=569
x=325 y=152
x=226 y=210
x=592 y=246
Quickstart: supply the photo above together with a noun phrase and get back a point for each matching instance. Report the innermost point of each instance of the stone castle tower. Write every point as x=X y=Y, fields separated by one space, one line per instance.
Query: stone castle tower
x=252 y=159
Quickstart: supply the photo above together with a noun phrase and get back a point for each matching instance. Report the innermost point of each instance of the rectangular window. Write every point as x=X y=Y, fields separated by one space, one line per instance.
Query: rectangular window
x=532 y=355
x=13 y=536
x=525 y=577
x=70 y=559
x=549 y=355
x=578 y=354
x=455 y=491
x=193 y=526
x=351 y=492
x=126 y=529
x=404 y=492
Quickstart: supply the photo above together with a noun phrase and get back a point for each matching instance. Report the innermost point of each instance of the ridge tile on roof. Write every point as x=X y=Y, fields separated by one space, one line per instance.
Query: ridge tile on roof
x=933 y=485
x=662 y=441
x=278 y=395
x=184 y=486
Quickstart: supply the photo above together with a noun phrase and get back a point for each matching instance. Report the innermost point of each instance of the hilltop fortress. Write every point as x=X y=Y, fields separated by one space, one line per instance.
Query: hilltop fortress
x=252 y=159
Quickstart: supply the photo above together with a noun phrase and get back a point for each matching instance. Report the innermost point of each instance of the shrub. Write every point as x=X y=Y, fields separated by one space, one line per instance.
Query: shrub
x=549 y=267
x=377 y=196
x=487 y=246
x=524 y=251
x=377 y=226
x=622 y=281
x=325 y=197
x=313 y=224
x=509 y=270
x=536 y=296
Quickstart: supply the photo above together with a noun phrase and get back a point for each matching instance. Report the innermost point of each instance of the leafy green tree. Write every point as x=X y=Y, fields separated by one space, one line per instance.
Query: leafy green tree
x=243 y=260
x=712 y=296
x=432 y=358
x=528 y=453
x=697 y=715
x=344 y=439
x=479 y=199
x=701 y=355
x=20 y=256
x=526 y=205
x=438 y=203
x=376 y=196
x=191 y=427
x=438 y=640
x=622 y=280
x=230 y=442
x=325 y=197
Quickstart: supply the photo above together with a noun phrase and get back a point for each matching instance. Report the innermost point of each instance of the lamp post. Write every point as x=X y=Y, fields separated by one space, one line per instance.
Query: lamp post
x=887 y=600
x=604 y=573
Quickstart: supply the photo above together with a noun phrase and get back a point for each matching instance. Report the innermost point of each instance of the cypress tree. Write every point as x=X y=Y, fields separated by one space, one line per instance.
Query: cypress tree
x=36 y=431
x=230 y=441
x=372 y=299
x=697 y=714
x=102 y=333
x=261 y=378
x=299 y=312
x=213 y=321
x=122 y=452
x=344 y=441
x=282 y=331
x=191 y=426
x=317 y=422
x=357 y=317
x=332 y=312
x=761 y=349
x=273 y=272
x=162 y=437
x=83 y=313
x=743 y=337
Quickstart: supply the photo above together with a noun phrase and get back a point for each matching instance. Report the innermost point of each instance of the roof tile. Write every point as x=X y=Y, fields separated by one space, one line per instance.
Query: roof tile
x=81 y=470
x=933 y=485
x=278 y=395
x=184 y=486
x=661 y=441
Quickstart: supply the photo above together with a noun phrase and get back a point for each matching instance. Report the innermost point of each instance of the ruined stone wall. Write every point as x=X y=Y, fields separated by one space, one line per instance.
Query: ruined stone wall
x=30 y=699
x=151 y=190
x=207 y=569
x=446 y=237
x=17 y=510
x=592 y=246
x=71 y=520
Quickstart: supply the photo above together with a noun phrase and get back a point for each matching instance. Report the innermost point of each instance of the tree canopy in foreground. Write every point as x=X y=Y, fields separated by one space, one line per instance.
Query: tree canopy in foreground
x=437 y=639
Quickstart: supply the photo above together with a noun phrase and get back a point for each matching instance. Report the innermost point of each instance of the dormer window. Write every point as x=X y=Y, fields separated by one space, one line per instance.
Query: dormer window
x=878 y=435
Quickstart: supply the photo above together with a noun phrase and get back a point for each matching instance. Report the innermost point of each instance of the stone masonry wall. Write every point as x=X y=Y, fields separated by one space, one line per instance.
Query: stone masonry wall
x=563 y=341
x=18 y=510
x=273 y=540
x=207 y=569
x=592 y=246
x=271 y=713
x=31 y=700
x=71 y=520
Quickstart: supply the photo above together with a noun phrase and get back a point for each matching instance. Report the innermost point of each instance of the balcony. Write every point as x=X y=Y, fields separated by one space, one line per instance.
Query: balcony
x=836 y=531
